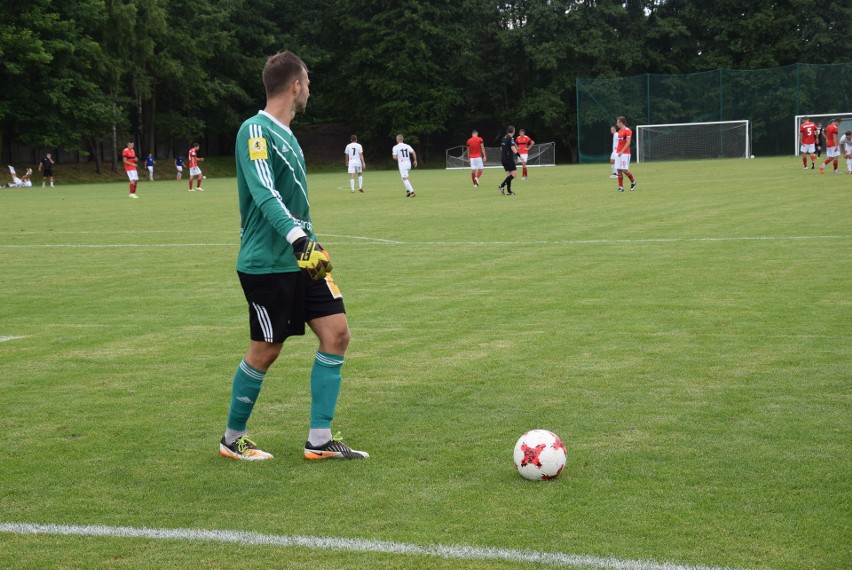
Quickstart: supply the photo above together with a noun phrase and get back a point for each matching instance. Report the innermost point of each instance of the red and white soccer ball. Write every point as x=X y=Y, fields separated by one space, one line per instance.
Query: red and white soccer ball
x=539 y=454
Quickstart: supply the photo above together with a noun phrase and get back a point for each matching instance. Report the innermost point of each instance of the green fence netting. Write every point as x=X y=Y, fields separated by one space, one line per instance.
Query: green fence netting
x=769 y=98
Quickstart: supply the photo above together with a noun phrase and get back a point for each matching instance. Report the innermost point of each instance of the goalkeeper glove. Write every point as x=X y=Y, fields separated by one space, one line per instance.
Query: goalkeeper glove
x=313 y=260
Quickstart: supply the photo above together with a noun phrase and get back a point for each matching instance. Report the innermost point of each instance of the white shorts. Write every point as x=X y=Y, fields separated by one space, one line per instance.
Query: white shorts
x=476 y=163
x=622 y=162
x=132 y=175
x=523 y=157
x=404 y=169
x=832 y=151
x=195 y=171
x=807 y=148
x=179 y=168
x=150 y=169
x=355 y=168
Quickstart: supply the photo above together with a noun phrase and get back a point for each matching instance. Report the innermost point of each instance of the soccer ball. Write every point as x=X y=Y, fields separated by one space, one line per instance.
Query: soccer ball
x=539 y=454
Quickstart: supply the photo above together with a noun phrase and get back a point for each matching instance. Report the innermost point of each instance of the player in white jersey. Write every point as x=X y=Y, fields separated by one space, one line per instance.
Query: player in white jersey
x=355 y=163
x=846 y=148
x=405 y=157
x=16 y=181
x=614 y=130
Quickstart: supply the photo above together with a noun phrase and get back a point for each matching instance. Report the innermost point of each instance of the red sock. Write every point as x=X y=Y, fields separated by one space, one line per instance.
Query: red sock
x=630 y=176
x=804 y=160
x=620 y=180
x=133 y=187
x=190 y=183
x=473 y=177
x=525 y=170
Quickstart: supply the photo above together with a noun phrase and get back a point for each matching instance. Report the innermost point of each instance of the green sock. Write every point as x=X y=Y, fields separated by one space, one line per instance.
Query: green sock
x=325 y=387
x=244 y=391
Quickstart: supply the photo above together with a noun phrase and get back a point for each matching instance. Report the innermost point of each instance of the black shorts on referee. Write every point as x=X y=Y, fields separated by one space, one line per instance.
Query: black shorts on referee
x=281 y=303
x=509 y=165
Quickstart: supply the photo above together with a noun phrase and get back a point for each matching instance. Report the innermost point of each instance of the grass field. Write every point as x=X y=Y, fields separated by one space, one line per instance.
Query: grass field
x=689 y=341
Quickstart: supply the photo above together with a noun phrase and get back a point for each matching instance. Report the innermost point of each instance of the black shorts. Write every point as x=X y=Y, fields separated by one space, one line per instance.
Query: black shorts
x=48 y=172
x=281 y=303
x=509 y=165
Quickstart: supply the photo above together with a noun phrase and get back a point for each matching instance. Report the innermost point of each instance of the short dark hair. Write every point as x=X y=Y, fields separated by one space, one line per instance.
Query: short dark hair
x=510 y=129
x=353 y=138
x=281 y=70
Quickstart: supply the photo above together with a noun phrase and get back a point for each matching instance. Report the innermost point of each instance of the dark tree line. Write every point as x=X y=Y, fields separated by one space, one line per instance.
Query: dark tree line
x=76 y=72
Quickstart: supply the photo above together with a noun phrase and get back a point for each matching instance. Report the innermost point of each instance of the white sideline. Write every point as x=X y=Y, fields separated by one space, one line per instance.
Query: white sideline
x=8 y=338
x=349 y=545
x=380 y=241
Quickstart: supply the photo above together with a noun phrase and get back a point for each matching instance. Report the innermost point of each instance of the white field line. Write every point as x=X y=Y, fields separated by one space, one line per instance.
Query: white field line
x=556 y=559
x=380 y=241
x=8 y=338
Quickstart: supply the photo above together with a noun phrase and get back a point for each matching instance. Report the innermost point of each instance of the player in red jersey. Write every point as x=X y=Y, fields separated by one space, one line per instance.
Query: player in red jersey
x=194 y=169
x=476 y=154
x=807 y=141
x=832 y=145
x=622 y=154
x=524 y=144
x=128 y=156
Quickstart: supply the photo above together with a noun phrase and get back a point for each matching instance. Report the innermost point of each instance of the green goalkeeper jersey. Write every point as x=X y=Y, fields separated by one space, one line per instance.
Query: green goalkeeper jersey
x=273 y=194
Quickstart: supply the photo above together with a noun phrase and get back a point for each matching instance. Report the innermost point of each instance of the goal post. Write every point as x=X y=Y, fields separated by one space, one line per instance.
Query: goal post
x=845 y=125
x=541 y=154
x=690 y=141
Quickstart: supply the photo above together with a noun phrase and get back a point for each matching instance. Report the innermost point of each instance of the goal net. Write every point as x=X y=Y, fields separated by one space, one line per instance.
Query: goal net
x=541 y=154
x=720 y=139
x=845 y=125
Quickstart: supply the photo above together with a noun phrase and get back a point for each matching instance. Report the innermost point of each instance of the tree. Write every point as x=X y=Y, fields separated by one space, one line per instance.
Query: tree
x=55 y=67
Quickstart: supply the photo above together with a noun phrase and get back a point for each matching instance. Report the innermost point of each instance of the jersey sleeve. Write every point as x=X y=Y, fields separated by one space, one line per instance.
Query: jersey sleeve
x=254 y=153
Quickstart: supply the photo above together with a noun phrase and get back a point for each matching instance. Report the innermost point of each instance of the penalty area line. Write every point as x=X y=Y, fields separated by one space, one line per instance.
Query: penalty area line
x=556 y=559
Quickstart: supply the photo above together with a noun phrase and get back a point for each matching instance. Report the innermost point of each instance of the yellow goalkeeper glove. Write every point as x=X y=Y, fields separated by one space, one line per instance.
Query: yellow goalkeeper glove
x=313 y=260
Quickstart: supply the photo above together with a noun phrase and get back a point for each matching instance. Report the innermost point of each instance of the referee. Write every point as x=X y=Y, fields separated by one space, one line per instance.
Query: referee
x=508 y=151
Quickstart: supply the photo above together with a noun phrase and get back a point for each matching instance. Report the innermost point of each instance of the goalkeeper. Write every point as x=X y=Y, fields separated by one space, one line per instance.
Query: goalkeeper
x=284 y=272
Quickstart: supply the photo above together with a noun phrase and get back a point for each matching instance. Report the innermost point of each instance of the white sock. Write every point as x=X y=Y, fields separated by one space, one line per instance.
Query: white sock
x=408 y=185
x=360 y=182
x=319 y=436
x=352 y=184
x=232 y=435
